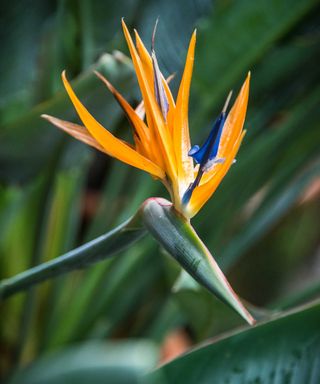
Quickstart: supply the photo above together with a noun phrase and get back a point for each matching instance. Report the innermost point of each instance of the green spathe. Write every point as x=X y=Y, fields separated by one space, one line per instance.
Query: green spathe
x=175 y=233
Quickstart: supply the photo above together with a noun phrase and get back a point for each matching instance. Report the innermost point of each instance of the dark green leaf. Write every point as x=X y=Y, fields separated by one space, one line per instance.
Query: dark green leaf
x=283 y=350
x=95 y=362
x=96 y=250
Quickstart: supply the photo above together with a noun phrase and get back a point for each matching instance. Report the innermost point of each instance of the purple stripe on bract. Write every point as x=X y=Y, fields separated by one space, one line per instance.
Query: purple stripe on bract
x=160 y=93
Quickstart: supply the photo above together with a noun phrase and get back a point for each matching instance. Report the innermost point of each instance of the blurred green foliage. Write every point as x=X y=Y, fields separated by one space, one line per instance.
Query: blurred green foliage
x=262 y=224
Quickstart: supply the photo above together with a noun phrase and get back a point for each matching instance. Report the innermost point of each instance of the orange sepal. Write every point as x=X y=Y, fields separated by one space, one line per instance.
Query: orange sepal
x=235 y=120
x=79 y=132
x=154 y=116
x=112 y=146
x=203 y=192
x=181 y=137
x=141 y=130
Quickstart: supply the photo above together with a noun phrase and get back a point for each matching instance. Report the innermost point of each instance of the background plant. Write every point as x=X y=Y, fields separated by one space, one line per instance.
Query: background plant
x=262 y=224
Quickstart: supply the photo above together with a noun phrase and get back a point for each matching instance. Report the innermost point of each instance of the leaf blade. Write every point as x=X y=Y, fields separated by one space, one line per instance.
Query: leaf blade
x=285 y=349
x=96 y=250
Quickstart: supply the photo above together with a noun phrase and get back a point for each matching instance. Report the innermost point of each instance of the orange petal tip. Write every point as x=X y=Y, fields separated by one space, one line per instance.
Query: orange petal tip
x=49 y=118
x=101 y=77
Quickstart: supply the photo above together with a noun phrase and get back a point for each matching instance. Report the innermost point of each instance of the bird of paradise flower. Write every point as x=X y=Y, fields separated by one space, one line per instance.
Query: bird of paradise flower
x=161 y=131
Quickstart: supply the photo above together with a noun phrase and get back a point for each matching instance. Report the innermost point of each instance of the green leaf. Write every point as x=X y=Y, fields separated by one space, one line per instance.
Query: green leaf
x=283 y=350
x=178 y=237
x=116 y=296
x=309 y=293
x=23 y=31
x=269 y=214
x=96 y=250
x=239 y=34
x=95 y=362
x=30 y=131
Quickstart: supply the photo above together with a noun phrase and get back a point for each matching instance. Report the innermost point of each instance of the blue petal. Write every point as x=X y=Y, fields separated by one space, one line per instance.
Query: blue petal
x=194 y=150
x=206 y=156
x=187 y=195
x=209 y=149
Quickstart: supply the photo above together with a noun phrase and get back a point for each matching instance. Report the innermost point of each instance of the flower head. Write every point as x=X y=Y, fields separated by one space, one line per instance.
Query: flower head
x=161 y=131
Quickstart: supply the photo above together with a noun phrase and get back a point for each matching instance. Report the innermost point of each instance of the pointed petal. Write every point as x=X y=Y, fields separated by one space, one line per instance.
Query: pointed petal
x=140 y=110
x=181 y=135
x=159 y=89
x=112 y=146
x=137 y=124
x=154 y=116
x=77 y=131
x=145 y=59
x=147 y=65
x=204 y=191
x=235 y=120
